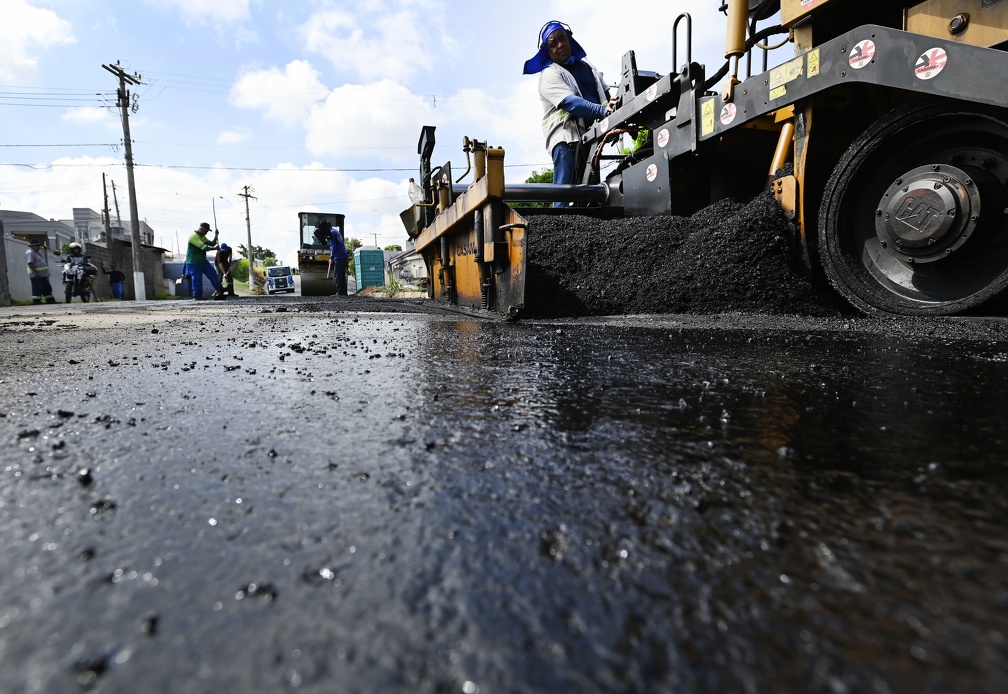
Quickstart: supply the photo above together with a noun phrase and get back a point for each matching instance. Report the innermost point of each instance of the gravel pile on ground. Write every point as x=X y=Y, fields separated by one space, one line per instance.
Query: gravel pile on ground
x=728 y=257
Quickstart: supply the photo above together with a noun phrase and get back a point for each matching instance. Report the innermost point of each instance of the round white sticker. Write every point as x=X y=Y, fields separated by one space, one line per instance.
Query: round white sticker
x=862 y=54
x=930 y=63
x=652 y=172
x=663 y=137
x=728 y=112
x=604 y=124
x=651 y=92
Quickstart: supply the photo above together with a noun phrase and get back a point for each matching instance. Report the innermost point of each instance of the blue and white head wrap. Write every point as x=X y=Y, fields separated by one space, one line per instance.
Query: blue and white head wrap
x=541 y=60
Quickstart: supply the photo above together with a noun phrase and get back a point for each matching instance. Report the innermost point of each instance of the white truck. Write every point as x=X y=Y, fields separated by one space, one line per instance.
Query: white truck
x=279 y=278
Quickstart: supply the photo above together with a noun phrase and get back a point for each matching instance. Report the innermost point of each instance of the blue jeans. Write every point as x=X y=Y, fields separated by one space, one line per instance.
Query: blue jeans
x=117 y=290
x=564 y=162
x=42 y=289
x=340 y=275
x=198 y=269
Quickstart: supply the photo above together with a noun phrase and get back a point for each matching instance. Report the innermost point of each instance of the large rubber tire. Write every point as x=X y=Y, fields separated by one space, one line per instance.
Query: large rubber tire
x=913 y=219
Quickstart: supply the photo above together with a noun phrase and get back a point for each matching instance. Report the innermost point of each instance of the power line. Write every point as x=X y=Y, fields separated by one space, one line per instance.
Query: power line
x=257 y=147
x=5 y=103
x=249 y=168
x=48 y=167
x=93 y=144
x=43 y=97
x=26 y=97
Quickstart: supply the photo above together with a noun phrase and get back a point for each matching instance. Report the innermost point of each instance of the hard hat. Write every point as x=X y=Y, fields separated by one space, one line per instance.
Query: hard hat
x=75 y=246
x=223 y=246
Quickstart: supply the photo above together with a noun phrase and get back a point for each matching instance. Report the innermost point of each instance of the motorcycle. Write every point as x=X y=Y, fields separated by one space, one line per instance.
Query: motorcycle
x=77 y=280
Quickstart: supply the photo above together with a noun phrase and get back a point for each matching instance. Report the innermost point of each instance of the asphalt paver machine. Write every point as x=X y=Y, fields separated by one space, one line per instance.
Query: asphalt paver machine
x=883 y=134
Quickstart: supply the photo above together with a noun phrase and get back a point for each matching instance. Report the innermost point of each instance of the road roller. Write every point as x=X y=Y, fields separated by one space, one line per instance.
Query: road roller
x=314 y=260
x=882 y=132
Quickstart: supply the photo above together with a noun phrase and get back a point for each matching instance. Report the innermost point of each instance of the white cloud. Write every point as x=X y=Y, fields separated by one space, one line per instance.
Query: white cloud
x=375 y=44
x=24 y=28
x=285 y=96
x=606 y=44
x=86 y=115
x=234 y=136
x=377 y=117
x=206 y=11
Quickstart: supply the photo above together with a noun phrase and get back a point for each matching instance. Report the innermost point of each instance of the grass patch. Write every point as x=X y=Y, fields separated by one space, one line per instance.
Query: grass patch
x=393 y=288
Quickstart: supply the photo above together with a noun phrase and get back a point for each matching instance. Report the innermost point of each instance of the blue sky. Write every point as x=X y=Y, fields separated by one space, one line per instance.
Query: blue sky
x=314 y=104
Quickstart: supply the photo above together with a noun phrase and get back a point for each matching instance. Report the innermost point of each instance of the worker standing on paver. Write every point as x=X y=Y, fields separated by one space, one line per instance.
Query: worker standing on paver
x=38 y=272
x=573 y=94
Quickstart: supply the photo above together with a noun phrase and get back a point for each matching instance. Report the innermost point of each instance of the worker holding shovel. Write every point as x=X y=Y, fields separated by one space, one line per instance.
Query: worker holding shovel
x=337 y=256
x=197 y=262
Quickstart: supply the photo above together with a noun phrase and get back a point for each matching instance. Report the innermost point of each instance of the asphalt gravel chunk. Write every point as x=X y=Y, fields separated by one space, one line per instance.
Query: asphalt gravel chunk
x=730 y=256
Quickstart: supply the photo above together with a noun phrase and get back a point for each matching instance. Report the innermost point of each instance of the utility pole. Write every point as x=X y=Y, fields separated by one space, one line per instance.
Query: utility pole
x=123 y=102
x=248 y=227
x=108 y=223
x=115 y=199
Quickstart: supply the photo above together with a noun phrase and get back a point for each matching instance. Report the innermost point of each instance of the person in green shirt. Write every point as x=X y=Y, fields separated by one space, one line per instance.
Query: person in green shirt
x=197 y=263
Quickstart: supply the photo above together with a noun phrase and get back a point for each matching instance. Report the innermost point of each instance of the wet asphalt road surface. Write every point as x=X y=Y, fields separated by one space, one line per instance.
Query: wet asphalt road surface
x=337 y=495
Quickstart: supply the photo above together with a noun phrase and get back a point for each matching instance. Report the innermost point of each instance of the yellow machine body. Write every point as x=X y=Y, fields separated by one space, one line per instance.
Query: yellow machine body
x=475 y=248
x=884 y=138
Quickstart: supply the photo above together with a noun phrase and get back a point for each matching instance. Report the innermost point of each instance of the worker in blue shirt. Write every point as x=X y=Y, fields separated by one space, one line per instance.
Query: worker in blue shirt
x=337 y=255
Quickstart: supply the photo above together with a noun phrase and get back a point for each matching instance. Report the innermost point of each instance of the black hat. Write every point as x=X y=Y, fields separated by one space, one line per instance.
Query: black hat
x=204 y=225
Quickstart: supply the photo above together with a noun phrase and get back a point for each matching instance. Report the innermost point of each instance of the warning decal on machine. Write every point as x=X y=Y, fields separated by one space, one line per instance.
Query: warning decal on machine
x=707 y=117
x=788 y=72
x=930 y=63
x=862 y=54
x=728 y=112
x=651 y=92
x=813 y=63
x=781 y=75
x=662 y=137
x=651 y=173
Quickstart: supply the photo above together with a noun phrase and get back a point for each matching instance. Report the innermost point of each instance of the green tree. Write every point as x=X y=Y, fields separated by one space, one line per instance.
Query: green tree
x=352 y=245
x=544 y=176
x=393 y=247
x=642 y=137
x=260 y=253
x=239 y=271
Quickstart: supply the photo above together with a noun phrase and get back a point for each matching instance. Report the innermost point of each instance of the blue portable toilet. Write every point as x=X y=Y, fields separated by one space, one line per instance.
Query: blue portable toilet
x=369 y=267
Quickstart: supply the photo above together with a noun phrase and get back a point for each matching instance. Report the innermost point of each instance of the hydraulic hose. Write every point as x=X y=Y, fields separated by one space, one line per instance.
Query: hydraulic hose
x=753 y=40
